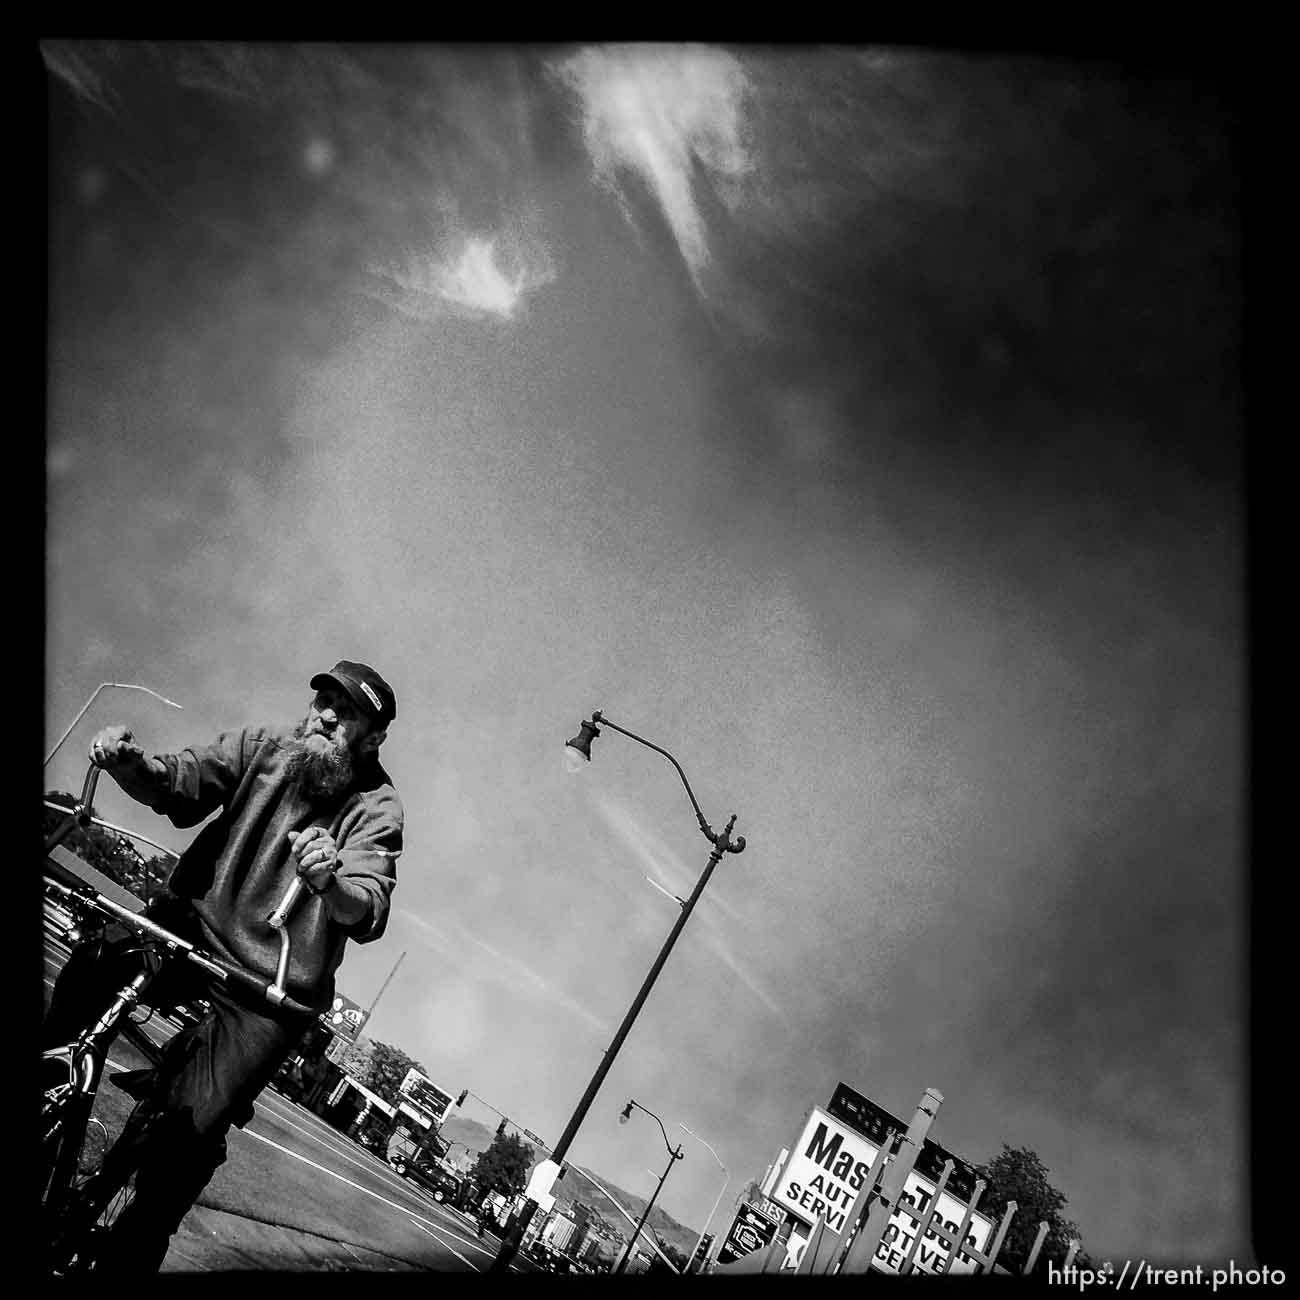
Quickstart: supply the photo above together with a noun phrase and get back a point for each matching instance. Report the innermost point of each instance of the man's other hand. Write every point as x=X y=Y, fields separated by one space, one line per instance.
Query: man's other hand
x=317 y=855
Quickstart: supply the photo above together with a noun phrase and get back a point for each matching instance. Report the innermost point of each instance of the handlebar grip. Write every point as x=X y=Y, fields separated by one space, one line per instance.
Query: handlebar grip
x=88 y=786
x=278 y=917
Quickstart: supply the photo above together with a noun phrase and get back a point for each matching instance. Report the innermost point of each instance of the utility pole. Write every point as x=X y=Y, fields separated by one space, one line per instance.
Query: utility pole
x=382 y=987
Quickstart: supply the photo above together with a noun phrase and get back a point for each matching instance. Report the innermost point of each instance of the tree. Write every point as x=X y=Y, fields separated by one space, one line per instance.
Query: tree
x=382 y=1069
x=678 y=1259
x=107 y=851
x=356 y=1059
x=1017 y=1174
x=504 y=1166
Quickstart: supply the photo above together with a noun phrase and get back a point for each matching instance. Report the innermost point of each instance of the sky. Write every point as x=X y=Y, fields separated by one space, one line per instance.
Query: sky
x=860 y=424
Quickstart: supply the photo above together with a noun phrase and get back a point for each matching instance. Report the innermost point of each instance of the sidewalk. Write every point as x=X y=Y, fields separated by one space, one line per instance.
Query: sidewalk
x=211 y=1240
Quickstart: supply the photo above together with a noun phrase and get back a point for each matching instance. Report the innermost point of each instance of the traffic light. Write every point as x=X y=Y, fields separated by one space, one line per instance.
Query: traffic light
x=501 y=1129
x=460 y=1101
x=706 y=1245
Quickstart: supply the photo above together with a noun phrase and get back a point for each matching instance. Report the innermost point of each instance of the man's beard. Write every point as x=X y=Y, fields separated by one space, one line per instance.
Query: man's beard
x=321 y=774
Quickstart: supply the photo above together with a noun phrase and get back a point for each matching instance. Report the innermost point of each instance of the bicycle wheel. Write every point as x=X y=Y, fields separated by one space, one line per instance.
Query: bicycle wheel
x=66 y=1126
x=65 y=1119
x=93 y=1207
x=85 y=1182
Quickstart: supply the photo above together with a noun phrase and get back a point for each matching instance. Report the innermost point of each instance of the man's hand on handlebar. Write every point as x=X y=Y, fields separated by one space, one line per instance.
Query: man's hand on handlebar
x=317 y=856
x=113 y=747
x=318 y=860
x=142 y=777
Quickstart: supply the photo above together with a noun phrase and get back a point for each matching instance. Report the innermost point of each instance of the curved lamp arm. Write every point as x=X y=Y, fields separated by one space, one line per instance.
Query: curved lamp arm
x=598 y=719
x=676 y=1154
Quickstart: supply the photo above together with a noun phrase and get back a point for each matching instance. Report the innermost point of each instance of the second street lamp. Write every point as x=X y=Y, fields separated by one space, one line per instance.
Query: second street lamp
x=578 y=754
x=696 y=1263
x=674 y=1155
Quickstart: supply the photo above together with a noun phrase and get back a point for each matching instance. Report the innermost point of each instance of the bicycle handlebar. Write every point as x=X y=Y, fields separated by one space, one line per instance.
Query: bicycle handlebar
x=84 y=895
x=272 y=990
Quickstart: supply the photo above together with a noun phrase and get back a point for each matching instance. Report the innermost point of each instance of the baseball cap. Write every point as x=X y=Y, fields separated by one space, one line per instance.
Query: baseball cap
x=366 y=688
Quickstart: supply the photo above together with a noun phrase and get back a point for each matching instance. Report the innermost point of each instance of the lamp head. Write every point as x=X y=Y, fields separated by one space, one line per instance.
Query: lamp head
x=577 y=752
x=627 y=1113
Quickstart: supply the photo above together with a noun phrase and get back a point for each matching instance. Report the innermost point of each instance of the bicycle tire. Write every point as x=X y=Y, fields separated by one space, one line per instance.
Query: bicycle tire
x=81 y=1184
x=67 y=1102
x=65 y=1122
x=62 y=1137
x=83 y=1245
x=94 y=1206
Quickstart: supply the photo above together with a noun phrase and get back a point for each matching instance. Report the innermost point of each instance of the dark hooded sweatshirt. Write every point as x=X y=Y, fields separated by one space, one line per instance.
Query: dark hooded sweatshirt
x=239 y=865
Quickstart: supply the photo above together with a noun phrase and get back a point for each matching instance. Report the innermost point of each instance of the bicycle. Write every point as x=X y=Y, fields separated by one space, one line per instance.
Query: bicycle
x=79 y=1201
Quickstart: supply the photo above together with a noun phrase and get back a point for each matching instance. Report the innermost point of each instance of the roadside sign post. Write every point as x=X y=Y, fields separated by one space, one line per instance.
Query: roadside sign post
x=884 y=1154
x=863 y=1249
x=923 y=1224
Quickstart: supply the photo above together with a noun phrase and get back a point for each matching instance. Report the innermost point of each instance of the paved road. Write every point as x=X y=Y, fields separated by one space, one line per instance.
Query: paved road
x=296 y=1194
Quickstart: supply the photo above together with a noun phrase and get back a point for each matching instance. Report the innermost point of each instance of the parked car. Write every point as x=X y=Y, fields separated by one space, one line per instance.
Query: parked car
x=440 y=1183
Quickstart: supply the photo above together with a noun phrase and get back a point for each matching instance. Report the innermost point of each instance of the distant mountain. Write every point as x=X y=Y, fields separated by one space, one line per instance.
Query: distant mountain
x=473 y=1136
x=573 y=1188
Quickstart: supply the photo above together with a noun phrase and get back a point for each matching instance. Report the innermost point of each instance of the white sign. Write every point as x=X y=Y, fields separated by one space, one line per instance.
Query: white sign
x=542 y=1180
x=417 y=1115
x=822 y=1175
x=421 y=1091
x=826 y=1169
x=345 y=1017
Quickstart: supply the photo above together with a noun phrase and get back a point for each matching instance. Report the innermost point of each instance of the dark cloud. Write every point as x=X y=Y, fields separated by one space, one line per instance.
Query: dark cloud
x=991 y=253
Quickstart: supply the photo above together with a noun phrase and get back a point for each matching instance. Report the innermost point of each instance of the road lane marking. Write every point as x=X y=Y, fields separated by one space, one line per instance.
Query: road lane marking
x=451 y=1248
x=341 y=1144
x=287 y=1112
x=431 y=1228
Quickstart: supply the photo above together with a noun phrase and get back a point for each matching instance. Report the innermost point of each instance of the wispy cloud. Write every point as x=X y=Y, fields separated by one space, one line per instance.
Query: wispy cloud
x=678 y=878
x=666 y=113
x=487 y=275
x=664 y=866
x=80 y=73
x=505 y=968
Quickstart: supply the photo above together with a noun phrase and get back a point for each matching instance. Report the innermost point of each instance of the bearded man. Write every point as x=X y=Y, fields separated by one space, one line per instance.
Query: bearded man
x=311 y=800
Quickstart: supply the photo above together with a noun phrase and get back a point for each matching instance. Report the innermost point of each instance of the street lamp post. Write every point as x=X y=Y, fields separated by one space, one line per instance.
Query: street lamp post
x=726 y=1178
x=577 y=751
x=674 y=1155
x=125 y=686
x=613 y=1200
